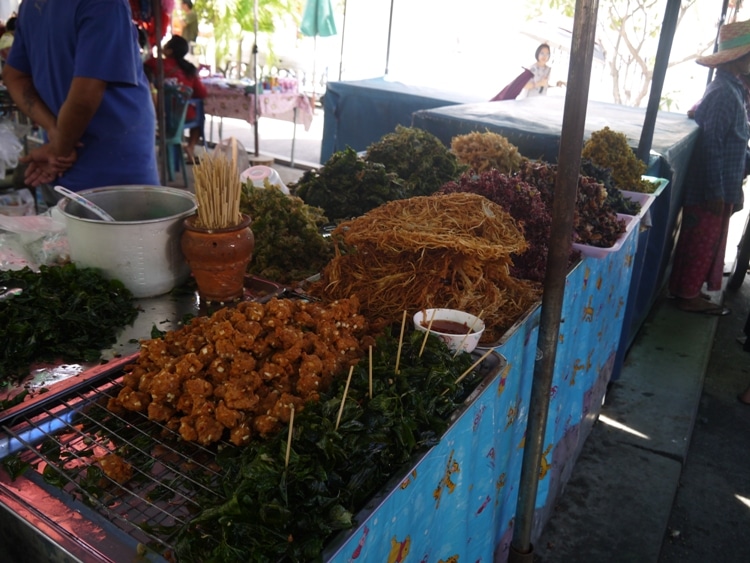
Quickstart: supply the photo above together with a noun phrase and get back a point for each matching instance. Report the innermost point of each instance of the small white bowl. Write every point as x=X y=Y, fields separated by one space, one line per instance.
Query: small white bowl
x=454 y=339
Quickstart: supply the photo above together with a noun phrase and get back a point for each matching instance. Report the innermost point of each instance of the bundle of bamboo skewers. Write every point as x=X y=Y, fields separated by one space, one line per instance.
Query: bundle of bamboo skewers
x=218 y=189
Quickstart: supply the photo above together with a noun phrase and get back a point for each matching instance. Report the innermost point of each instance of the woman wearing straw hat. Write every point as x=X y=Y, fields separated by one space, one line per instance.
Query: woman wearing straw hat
x=713 y=187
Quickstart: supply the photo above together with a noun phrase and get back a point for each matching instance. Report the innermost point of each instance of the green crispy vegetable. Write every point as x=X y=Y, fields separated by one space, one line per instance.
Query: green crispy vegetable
x=418 y=157
x=348 y=186
x=615 y=197
x=288 y=244
x=63 y=313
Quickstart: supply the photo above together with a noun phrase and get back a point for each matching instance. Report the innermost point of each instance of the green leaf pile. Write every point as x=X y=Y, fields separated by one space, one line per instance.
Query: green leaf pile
x=418 y=157
x=288 y=244
x=63 y=313
x=348 y=186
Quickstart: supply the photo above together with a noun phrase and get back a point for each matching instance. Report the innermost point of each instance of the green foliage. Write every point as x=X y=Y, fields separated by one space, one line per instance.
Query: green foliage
x=63 y=313
x=348 y=186
x=288 y=244
x=224 y=17
x=418 y=157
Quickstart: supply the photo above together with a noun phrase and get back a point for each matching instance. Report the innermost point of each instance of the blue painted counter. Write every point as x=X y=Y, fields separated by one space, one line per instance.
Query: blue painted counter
x=459 y=500
x=594 y=306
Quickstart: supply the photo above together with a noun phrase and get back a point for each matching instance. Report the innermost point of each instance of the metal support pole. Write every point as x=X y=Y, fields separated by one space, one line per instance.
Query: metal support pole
x=258 y=90
x=388 y=46
x=294 y=138
x=160 y=116
x=566 y=187
x=722 y=21
x=668 y=27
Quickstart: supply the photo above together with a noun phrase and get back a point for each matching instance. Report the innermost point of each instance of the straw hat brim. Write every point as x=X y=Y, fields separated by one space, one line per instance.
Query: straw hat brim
x=722 y=57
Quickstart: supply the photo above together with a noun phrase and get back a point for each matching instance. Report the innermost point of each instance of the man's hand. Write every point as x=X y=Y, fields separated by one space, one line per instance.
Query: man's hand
x=44 y=166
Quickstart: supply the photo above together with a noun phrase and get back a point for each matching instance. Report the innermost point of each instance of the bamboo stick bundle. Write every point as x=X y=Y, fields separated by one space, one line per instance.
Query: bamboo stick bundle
x=217 y=190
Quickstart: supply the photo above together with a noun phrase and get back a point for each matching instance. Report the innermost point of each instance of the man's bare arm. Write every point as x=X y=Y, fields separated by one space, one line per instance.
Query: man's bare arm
x=83 y=101
x=21 y=89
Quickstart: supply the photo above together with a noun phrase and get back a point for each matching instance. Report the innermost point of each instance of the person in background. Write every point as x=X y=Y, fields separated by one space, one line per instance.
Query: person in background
x=91 y=98
x=713 y=186
x=184 y=72
x=189 y=22
x=537 y=86
x=6 y=39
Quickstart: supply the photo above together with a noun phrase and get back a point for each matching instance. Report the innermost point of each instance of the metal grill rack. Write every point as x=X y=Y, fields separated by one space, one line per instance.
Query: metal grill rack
x=64 y=442
x=66 y=503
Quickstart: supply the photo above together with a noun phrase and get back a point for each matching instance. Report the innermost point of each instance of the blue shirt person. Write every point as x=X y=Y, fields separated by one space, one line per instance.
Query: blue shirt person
x=75 y=70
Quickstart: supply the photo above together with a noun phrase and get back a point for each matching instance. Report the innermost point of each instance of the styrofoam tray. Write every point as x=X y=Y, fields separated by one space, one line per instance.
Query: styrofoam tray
x=597 y=252
x=643 y=199
x=661 y=181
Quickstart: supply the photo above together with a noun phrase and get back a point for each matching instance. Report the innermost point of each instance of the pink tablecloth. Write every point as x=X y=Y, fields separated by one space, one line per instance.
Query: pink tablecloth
x=231 y=101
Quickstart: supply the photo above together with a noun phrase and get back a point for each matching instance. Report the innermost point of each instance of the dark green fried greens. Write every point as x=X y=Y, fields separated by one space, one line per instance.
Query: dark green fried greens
x=288 y=244
x=348 y=186
x=418 y=157
x=615 y=197
x=64 y=313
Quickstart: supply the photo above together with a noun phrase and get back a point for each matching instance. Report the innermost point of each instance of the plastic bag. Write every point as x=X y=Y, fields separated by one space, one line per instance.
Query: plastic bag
x=19 y=202
x=259 y=175
x=232 y=148
x=32 y=241
x=10 y=147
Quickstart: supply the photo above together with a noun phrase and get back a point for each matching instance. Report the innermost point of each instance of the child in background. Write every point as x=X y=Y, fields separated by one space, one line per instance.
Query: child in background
x=184 y=72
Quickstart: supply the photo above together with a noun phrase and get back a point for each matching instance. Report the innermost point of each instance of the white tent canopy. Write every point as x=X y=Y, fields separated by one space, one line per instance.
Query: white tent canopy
x=7 y=7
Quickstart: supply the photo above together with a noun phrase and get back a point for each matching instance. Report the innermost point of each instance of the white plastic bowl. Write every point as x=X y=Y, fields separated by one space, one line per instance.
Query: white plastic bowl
x=466 y=341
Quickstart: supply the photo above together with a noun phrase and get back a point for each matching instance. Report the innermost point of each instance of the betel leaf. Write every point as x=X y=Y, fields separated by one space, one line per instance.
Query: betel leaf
x=15 y=466
x=63 y=313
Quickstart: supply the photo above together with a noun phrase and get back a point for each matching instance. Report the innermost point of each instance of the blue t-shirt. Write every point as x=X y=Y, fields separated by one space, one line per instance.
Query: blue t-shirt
x=57 y=40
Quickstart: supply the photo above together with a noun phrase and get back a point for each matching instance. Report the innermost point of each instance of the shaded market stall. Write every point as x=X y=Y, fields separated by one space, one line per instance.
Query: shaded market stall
x=537 y=353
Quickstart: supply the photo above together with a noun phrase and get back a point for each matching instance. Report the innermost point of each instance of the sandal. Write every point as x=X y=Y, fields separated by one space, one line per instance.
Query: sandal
x=701 y=306
x=717 y=311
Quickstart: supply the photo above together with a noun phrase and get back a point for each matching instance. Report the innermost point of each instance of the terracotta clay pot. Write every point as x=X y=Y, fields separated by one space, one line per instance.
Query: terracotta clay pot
x=218 y=258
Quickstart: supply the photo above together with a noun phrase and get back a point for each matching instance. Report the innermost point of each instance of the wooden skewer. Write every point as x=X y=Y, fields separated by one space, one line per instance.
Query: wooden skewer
x=475 y=364
x=370 y=370
x=400 y=341
x=468 y=371
x=471 y=329
x=343 y=398
x=289 y=438
x=426 y=334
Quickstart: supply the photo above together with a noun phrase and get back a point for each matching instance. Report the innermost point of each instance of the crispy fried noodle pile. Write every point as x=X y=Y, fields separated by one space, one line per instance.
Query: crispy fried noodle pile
x=435 y=251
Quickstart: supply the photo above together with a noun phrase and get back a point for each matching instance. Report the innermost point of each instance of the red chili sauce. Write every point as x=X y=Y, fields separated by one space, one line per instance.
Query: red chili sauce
x=447 y=327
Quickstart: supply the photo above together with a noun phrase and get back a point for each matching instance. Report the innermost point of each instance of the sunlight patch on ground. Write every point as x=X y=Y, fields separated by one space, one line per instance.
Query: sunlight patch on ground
x=614 y=424
x=743 y=500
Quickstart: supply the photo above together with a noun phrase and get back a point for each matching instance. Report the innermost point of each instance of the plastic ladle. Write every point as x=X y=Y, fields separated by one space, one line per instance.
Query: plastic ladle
x=90 y=205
